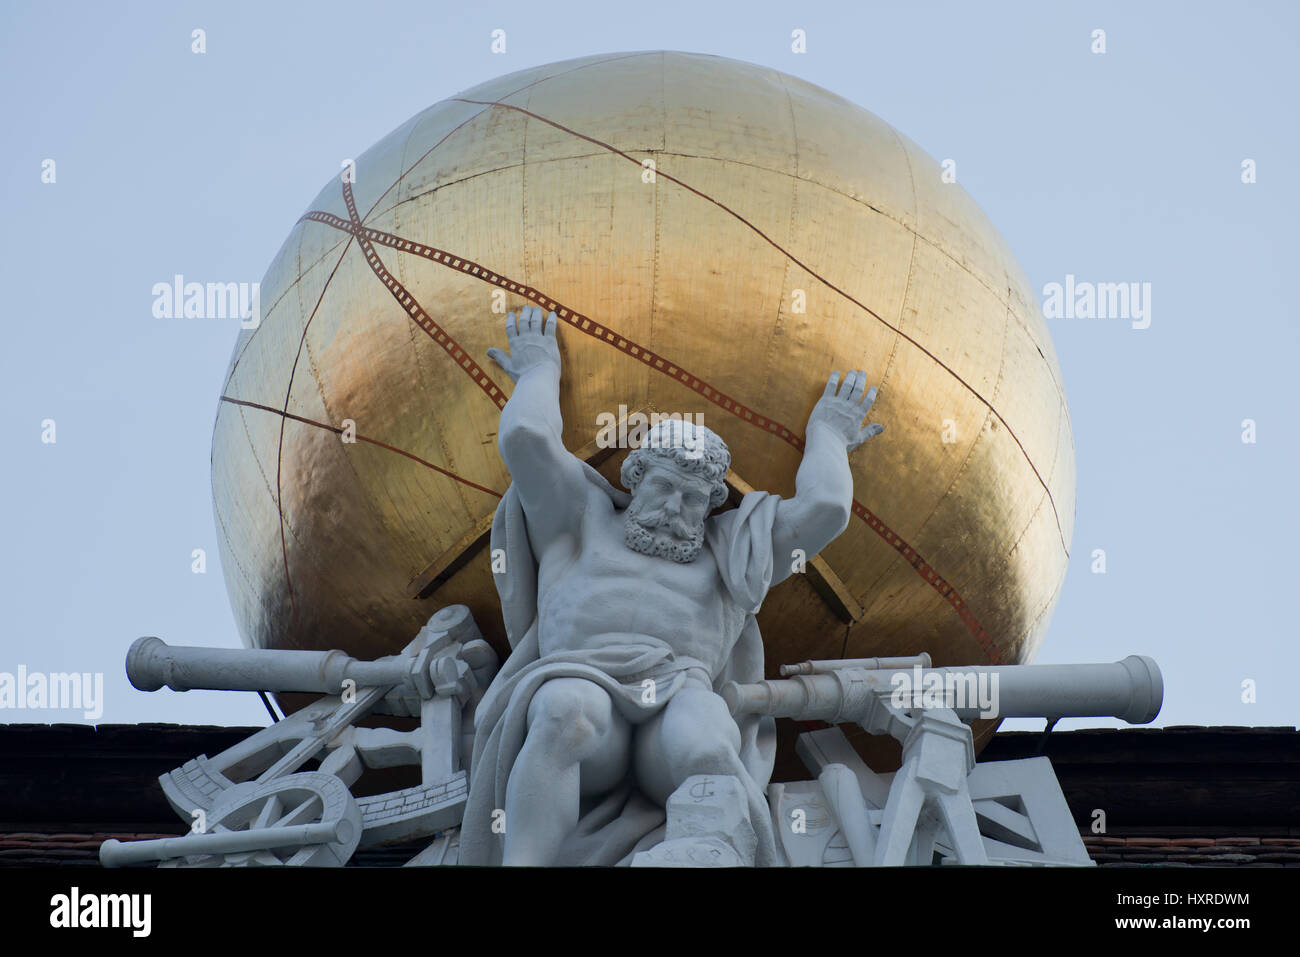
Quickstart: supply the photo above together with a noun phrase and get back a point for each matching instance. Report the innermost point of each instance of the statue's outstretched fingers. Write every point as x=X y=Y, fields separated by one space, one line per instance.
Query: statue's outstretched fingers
x=832 y=384
x=512 y=326
x=552 y=321
x=850 y=383
x=870 y=400
x=859 y=384
x=867 y=433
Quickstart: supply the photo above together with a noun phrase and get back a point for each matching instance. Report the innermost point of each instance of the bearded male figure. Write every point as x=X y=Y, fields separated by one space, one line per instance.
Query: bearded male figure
x=625 y=613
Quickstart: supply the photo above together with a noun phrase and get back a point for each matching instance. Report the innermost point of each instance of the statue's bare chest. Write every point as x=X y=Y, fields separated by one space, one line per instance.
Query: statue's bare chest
x=596 y=586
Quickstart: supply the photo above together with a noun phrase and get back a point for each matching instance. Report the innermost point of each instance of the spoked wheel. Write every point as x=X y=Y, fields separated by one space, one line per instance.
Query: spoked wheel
x=307 y=819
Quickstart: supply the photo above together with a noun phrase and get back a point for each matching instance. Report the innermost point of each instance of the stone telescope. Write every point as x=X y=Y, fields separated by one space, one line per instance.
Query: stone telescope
x=259 y=806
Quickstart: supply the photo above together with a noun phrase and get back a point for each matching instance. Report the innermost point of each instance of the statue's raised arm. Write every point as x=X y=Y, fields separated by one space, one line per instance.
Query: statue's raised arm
x=823 y=499
x=549 y=478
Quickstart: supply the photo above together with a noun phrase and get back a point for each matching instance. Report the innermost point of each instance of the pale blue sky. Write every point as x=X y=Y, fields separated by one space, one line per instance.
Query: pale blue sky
x=1119 y=167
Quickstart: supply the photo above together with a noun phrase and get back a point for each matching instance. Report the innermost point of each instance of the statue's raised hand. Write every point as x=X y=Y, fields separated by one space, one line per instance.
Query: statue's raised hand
x=842 y=408
x=531 y=340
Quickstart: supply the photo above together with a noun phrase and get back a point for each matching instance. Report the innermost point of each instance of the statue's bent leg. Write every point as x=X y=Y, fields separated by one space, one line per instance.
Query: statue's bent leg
x=576 y=745
x=694 y=734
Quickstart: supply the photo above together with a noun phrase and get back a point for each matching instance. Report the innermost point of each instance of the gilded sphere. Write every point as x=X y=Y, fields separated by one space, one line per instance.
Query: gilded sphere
x=716 y=238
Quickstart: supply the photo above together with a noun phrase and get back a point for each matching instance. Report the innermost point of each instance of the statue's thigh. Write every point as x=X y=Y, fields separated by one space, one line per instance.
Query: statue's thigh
x=609 y=763
x=693 y=734
x=574 y=719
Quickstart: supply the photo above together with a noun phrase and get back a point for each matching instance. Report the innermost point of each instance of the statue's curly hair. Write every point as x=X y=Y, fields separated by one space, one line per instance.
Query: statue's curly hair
x=692 y=448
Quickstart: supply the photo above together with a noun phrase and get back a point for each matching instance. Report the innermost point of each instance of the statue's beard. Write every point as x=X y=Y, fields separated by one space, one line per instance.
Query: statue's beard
x=651 y=533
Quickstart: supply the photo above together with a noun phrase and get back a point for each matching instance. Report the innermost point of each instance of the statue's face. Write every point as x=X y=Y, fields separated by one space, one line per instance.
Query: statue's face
x=667 y=514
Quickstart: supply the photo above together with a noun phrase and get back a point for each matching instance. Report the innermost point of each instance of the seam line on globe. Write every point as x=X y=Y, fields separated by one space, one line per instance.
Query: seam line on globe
x=279 y=449
x=360 y=438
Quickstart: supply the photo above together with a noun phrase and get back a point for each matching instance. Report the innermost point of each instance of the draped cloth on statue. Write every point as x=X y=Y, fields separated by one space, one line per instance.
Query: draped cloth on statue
x=623 y=821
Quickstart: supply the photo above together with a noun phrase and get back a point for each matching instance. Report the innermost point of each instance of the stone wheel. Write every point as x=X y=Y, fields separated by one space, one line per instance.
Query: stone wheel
x=297 y=799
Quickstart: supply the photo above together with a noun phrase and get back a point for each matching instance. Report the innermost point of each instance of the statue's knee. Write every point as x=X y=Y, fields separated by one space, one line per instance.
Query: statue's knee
x=706 y=753
x=705 y=738
x=570 y=715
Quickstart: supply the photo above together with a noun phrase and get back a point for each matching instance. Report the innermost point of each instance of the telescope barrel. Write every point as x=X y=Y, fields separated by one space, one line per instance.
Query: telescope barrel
x=1131 y=690
x=115 y=853
x=152 y=664
x=841 y=664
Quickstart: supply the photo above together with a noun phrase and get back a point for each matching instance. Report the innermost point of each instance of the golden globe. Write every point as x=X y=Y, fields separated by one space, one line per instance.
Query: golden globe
x=715 y=237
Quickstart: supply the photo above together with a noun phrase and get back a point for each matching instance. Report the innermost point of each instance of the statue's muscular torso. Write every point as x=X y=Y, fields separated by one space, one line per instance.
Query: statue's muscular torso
x=593 y=590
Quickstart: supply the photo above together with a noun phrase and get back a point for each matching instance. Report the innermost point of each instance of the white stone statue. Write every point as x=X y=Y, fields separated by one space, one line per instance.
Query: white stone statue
x=626 y=614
